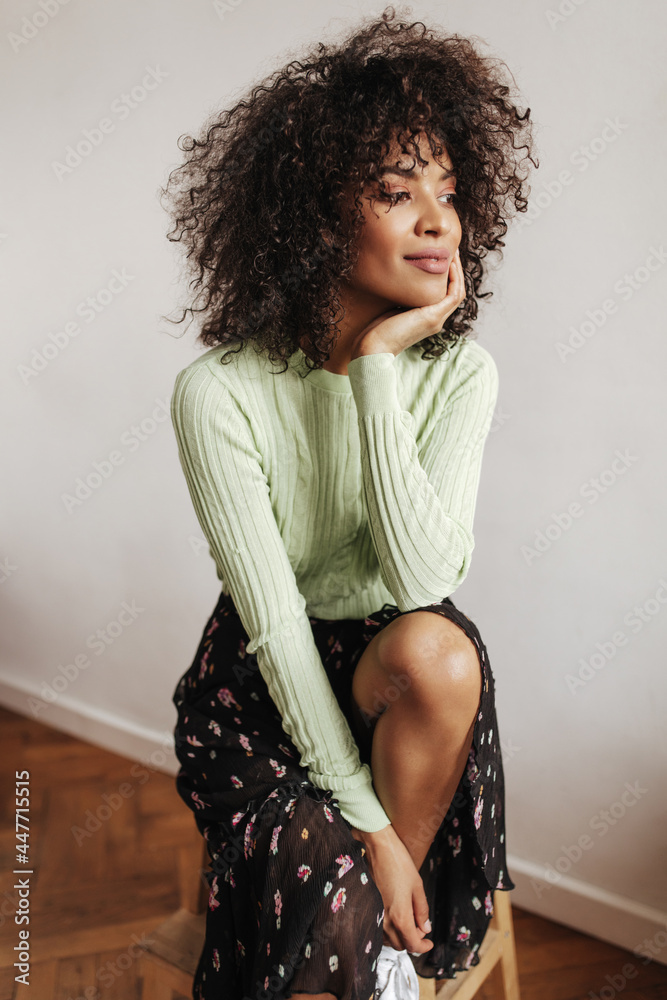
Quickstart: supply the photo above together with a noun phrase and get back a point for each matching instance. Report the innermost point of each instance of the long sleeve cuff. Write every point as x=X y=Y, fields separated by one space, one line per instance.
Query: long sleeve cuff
x=360 y=806
x=374 y=382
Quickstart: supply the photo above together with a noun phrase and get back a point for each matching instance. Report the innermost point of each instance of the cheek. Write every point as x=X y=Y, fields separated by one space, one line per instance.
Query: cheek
x=372 y=253
x=381 y=242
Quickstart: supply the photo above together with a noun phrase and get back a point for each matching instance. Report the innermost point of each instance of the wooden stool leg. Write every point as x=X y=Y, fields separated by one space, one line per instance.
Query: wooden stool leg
x=154 y=986
x=508 y=964
x=426 y=988
x=193 y=862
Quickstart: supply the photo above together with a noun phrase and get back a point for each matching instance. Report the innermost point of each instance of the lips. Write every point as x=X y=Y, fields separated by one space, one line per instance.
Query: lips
x=430 y=263
x=433 y=253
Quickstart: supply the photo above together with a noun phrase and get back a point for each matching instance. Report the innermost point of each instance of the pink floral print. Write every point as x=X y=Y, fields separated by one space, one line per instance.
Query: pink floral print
x=345 y=862
x=289 y=850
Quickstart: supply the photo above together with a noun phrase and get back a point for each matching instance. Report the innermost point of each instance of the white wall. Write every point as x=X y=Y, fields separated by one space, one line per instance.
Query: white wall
x=568 y=754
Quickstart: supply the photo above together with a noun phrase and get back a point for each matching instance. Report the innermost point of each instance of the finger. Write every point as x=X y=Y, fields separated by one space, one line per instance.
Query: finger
x=415 y=944
x=401 y=938
x=456 y=289
x=457 y=286
x=424 y=946
x=420 y=907
x=413 y=938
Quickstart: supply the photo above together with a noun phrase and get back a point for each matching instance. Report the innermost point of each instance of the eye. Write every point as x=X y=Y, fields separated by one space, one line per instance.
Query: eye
x=395 y=197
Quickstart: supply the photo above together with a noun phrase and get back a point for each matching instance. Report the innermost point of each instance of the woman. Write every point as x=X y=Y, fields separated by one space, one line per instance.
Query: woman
x=336 y=729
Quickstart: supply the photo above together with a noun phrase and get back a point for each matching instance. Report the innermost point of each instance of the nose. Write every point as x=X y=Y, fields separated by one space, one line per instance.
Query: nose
x=434 y=216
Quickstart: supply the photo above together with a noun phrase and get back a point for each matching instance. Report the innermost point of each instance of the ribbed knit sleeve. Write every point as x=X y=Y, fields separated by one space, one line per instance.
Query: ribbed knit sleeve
x=230 y=493
x=421 y=500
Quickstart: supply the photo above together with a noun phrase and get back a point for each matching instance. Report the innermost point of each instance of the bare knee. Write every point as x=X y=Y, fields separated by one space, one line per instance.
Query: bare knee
x=431 y=657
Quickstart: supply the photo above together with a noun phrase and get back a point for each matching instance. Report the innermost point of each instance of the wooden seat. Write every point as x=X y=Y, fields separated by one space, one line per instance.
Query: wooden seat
x=168 y=965
x=497 y=962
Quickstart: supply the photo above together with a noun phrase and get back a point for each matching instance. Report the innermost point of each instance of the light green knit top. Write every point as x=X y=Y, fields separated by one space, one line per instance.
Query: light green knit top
x=329 y=496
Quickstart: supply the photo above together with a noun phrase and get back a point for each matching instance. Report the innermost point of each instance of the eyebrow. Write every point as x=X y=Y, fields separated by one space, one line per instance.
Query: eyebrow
x=410 y=171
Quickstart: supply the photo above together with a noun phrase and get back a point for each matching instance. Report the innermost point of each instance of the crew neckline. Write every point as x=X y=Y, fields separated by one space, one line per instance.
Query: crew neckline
x=333 y=381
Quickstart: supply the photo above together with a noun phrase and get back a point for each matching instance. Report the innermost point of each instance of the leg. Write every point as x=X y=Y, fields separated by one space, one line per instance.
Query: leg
x=320 y=881
x=417 y=688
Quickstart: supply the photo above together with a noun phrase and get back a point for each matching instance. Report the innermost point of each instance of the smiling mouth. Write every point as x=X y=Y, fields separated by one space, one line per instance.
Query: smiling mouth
x=432 y=265
x=435 y=253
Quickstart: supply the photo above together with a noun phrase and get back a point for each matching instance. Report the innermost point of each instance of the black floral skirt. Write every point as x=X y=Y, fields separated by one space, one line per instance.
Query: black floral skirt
x=292 y=904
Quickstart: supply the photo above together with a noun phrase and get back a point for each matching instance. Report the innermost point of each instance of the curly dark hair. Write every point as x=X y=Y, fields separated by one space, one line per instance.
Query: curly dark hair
x=263 y=199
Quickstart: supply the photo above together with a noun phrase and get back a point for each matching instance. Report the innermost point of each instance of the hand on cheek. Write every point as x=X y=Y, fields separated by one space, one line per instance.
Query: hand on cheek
x=398 y=328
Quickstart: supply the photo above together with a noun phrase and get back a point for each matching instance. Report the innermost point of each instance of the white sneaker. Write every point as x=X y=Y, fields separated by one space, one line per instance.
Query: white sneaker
x=396 y=976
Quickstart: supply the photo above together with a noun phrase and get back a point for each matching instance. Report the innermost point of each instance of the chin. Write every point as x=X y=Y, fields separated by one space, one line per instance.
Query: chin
x=415 y=299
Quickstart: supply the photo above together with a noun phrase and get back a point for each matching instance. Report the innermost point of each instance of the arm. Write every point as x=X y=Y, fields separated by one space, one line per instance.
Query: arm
x=421 y=497
x=230 y=494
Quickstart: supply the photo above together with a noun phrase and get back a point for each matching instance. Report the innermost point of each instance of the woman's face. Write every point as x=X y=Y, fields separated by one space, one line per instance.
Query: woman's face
x=420 y=217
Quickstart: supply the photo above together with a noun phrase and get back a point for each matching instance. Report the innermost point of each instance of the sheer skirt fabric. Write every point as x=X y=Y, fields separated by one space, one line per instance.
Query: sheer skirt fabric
x=292 y=904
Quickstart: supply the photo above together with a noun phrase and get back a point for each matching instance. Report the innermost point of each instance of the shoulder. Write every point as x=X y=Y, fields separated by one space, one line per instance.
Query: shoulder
x=476 y=371
x=207 y=367
x=469 y=360
x=202 y=392
x=207 y=379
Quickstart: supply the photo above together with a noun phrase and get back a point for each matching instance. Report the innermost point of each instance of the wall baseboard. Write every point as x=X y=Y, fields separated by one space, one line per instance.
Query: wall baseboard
x=616 y=919
x=605 y=915
x=94 y=725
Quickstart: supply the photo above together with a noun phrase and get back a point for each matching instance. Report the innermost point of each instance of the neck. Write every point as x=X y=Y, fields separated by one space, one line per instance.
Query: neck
x=360 y=309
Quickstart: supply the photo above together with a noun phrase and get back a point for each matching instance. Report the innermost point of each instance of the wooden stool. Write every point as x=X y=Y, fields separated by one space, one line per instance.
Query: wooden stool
x=497 y=962
x=168 y=965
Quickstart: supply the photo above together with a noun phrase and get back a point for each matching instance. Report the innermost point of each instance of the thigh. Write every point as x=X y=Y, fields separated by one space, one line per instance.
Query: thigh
x=228 y=737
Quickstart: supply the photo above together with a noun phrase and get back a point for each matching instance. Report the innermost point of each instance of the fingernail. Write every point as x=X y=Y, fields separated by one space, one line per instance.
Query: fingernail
x=427 y=925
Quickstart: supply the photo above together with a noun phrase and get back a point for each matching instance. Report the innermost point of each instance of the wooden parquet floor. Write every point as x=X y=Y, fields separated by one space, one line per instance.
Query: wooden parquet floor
x=97 y=892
